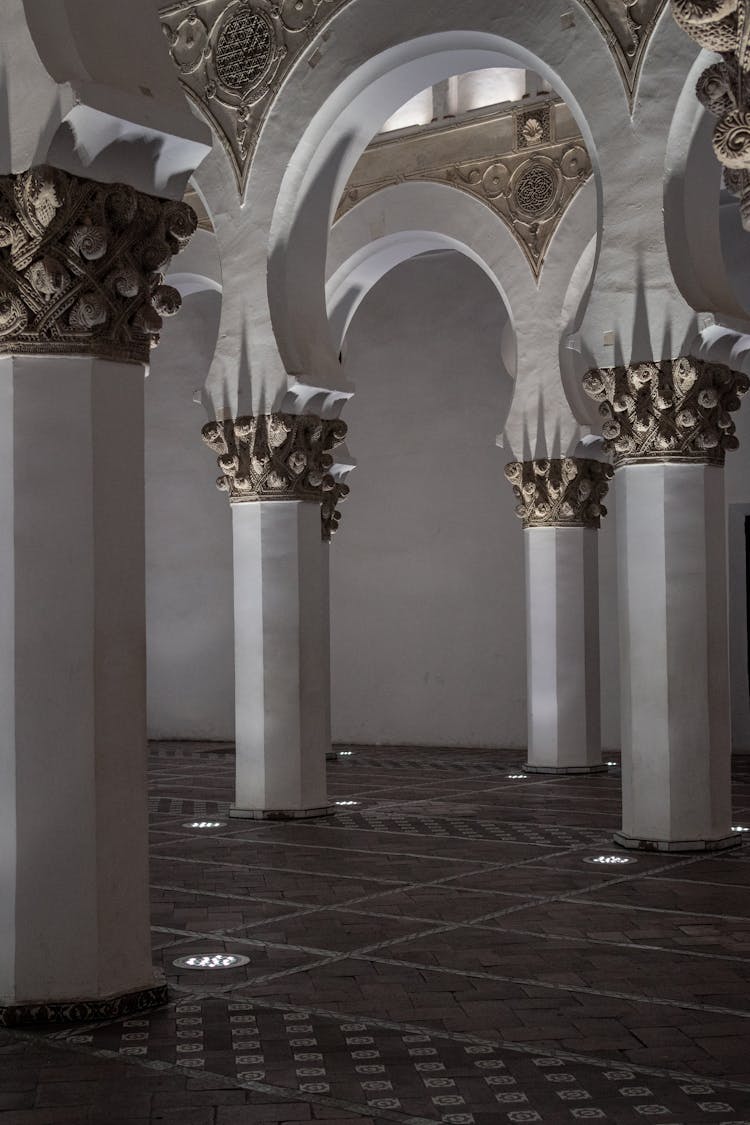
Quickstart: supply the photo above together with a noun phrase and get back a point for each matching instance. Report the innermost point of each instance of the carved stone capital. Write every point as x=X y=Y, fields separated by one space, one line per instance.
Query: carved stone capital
x=81 y=265
x=561 y=492
x=675 y=410
x=280 y=457
x=719 y=25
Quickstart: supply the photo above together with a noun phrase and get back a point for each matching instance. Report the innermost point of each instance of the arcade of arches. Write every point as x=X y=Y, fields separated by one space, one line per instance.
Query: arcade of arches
x=374 y=678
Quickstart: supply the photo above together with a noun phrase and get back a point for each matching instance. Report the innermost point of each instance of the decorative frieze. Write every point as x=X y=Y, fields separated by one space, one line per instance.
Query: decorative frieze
x=528 y=178
x=81 y=265
x=280 y=457
x=560 y=492
x=674 y=410
x=724 y=87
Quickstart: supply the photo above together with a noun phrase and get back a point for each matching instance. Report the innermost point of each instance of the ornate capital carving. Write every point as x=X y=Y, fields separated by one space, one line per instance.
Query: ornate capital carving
x=280 y=457
x=563 y=492
x=676 y=410
x=81 y=265
x=723 y=88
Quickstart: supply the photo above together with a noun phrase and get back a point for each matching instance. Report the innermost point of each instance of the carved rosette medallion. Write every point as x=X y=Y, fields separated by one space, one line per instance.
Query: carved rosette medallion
x=677 y=410
x=81 y=266
x=560 y=492
x=280 y=457
x=724 y=87
x=233 y=55
x=529 y=183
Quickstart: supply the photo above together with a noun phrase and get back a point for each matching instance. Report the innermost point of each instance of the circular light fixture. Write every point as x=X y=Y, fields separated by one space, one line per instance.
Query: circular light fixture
x=211 y=961
x=346 y=802
x=739 y=828
x=609 y=860
x=205 y=824
x=611 y=763
x=517 y=776
x=345 y=753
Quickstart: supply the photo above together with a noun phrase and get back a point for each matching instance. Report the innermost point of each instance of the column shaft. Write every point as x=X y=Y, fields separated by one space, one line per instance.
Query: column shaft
x=282 y=659
x=674 y=656
x=74 y=920
x=562 y=615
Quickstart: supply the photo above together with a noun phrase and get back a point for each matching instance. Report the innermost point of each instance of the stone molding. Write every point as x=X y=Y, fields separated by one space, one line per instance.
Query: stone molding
x=81 y=265
x=280 y=457
x=674 y=410
x=724 y=87
x=560 y=492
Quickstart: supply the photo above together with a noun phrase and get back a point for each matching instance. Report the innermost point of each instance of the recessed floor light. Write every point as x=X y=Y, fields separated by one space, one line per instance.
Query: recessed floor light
x=205 y=824
x=609 y=860
x=346 y=802
x=211 y=961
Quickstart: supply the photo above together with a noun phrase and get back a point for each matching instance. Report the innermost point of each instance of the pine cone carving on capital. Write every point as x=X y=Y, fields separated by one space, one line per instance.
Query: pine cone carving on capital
x=82 y=265
x=280 y=457
x=723 y=89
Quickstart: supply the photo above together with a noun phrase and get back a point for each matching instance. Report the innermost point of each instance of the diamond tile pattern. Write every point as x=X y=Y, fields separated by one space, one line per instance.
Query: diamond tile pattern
x=438 y=952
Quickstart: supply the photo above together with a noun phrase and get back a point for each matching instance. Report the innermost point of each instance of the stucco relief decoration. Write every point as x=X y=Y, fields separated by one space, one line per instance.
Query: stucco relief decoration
x=530 y=190
x=676 y=410
x=82 y=264
x=233 y=55
x=534 y=126
x=560 y=492
x=723 y=26
x=279 y=457
x=627 y=26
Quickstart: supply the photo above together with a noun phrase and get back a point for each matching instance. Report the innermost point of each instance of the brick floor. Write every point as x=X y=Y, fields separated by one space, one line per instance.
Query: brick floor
x=439 y=951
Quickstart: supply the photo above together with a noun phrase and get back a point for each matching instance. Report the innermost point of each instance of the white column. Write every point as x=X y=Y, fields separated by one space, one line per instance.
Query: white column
x=562 y=618
x=74 y=919
x=674 y=657
x=282 y=659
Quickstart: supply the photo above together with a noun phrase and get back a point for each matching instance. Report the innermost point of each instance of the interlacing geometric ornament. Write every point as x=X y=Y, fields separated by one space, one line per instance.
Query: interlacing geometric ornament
x=529 y=182
x=232 y=58
x=81 y=266
x=724 y=88
x=627 y=26
x=560 y=492
x=280 y=457
x=676 y=410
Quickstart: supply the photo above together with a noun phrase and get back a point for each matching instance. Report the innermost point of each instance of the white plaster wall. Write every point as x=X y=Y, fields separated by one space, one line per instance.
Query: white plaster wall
x=427 y=584
x=188 y=541
x=738 y=503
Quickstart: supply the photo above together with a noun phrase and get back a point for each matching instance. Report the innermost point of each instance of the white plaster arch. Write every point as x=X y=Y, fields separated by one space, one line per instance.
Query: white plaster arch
x=405 y=220
x=311 y=137
x=692 y=211
x=384 y=229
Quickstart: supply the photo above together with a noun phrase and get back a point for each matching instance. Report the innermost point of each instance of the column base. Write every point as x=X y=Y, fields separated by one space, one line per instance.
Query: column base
x=281 y=814
x=600 y=768
x=635 y=843
x=84 y=1011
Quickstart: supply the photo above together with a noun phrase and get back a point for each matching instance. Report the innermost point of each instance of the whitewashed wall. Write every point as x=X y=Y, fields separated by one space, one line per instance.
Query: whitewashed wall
x=188 y=541
x=427 y=570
